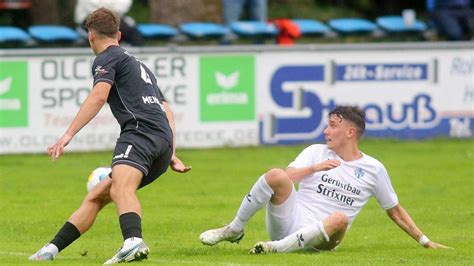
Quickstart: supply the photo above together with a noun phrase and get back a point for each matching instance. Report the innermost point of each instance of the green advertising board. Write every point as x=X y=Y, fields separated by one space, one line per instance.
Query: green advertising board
x=13 y=94
x=227 y=88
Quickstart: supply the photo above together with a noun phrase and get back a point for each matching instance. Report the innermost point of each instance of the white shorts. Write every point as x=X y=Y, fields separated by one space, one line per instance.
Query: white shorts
x=287 y=218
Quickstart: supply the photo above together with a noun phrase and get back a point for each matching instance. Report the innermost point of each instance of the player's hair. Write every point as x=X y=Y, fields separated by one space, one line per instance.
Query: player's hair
x=104 y=22
x=353 y=114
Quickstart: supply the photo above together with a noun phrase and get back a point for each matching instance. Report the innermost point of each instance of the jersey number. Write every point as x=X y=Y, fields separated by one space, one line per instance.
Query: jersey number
x=145 y=75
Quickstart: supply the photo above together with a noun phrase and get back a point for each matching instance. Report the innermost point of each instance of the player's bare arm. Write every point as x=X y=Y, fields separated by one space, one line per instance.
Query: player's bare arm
x=89 y=109
x=297 y=174
x=401 y=217
x=170 y=116
x=176 y=164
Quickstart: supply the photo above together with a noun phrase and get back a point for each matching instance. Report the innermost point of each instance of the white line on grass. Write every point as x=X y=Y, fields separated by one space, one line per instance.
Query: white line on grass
x=26 y=255
x=165 y=261
x=194 y=262
x=13 y=253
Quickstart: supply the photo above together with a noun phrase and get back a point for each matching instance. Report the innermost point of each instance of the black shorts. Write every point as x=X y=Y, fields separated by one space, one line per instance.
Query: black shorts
x=150 y=154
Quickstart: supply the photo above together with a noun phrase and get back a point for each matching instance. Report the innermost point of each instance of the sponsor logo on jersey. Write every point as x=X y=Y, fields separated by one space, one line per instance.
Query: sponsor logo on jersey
x=227 y=88
x=99 y=70
x=13 y=94
x=153 y=100
x=331 y=187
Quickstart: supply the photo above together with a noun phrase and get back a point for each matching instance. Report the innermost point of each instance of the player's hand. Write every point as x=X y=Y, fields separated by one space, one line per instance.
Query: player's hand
x=57 y=149
x=435 y=245
x=326 y=165
x=178 y=166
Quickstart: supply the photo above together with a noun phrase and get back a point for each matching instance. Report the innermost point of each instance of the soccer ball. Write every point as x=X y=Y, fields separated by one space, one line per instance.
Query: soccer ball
x=96 y=176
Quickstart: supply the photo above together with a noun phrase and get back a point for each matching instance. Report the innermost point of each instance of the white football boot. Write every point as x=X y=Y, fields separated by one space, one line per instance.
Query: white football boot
x=214 y=236
x=137 y=252
x=45 y=253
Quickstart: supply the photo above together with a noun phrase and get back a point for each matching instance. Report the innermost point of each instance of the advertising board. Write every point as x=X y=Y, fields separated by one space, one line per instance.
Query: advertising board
x=223 y=97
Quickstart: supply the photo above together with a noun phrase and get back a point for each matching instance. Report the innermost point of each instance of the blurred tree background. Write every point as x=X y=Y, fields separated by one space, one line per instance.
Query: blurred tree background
x=175 y=12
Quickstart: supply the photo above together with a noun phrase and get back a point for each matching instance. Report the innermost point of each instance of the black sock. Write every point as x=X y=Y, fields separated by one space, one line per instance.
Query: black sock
x=66 y=235
x=131 y=225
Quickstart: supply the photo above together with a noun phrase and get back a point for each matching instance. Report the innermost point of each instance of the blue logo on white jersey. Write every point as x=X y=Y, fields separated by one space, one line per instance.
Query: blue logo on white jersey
x=359 y=173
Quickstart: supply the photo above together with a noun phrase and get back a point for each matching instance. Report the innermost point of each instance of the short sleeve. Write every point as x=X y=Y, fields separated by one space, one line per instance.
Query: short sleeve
x=306 y=158
x=104 y=69
x=384 y=192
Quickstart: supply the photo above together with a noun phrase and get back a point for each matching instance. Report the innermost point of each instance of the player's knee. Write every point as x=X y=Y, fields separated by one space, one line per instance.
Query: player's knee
x=119 y=191
x=115 y=192
x=276 y=177
x=339 y=220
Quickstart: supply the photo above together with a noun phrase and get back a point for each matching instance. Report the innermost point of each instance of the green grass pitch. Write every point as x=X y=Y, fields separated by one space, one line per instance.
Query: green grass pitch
x=433 y=179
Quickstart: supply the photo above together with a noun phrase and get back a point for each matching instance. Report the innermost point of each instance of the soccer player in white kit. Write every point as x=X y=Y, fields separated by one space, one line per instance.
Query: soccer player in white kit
x=335 y=181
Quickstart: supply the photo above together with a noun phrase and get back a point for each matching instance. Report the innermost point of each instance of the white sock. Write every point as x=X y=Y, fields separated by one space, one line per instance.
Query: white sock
x=306 y=237
x=130 y=242
x=51 y=248
x=258 y=198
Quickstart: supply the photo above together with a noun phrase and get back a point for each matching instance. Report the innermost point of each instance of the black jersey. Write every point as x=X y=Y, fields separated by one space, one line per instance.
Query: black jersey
x=135 y=99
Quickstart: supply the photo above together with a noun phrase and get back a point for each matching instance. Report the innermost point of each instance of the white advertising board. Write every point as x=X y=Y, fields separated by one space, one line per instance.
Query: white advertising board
x=234 y=98
x=43 y=94
x=406 y=94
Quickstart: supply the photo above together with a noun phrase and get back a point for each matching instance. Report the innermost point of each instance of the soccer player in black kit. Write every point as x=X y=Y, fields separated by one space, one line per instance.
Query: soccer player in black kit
x=144 y=150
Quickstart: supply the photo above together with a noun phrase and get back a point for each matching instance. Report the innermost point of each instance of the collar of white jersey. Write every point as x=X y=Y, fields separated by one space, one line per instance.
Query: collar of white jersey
x=348 y=162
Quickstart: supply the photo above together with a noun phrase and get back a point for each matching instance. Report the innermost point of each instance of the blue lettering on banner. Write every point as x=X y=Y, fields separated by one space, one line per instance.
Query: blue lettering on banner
x=381 y=72
x=462 y=66
x=412 y=119
x=418 y=113
x=296 y=127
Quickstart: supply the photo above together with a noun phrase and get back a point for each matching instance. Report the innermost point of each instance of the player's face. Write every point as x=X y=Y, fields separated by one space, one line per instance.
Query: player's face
x=337 y=132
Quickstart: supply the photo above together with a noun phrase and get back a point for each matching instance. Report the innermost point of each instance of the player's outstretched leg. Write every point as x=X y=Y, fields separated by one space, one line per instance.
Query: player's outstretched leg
x=304 y=238
x=320 y=236
x=125 y=180
x=79 y=222
x=257 y=198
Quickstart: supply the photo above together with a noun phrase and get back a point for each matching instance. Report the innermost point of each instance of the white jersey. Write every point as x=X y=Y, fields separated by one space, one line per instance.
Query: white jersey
x=346 y=188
